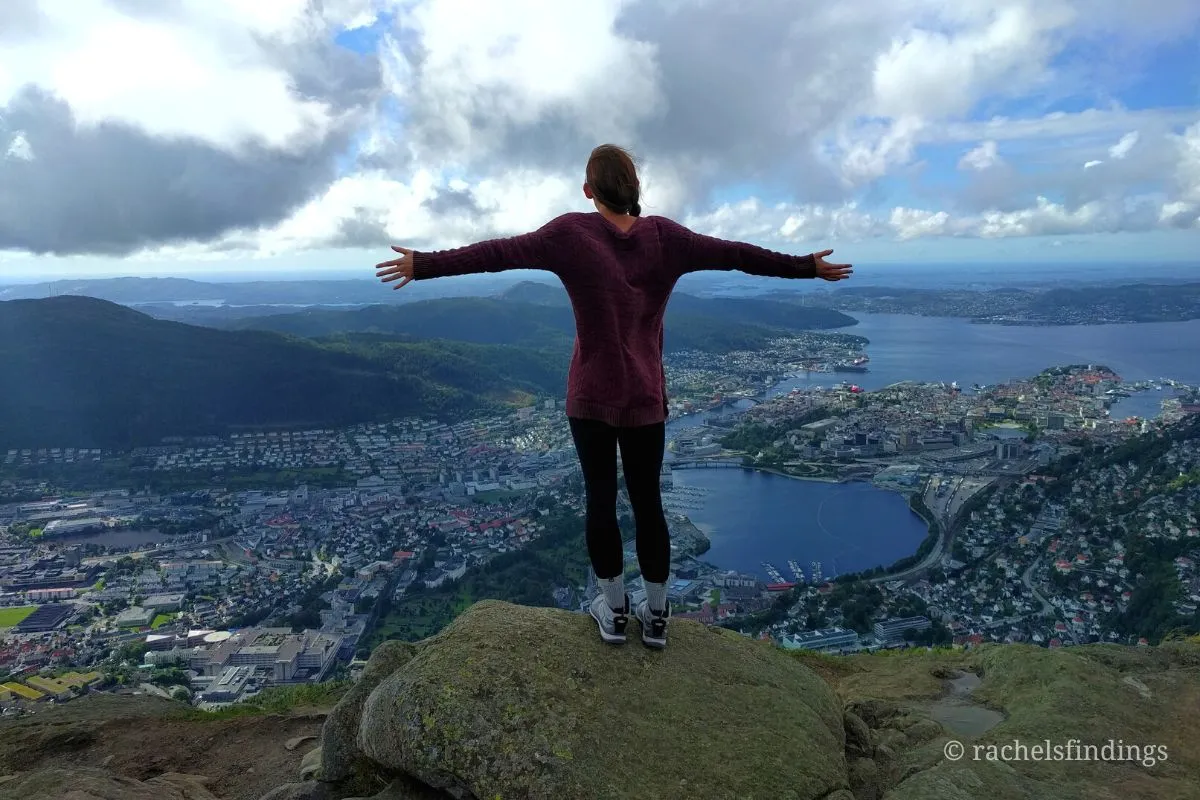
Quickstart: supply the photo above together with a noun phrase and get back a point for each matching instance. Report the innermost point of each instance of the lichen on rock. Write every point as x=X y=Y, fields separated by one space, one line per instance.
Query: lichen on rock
x=513 y=701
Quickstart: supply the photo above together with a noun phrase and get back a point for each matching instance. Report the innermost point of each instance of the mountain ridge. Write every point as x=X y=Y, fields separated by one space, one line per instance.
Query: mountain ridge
x=81 y=372
x=534 y=316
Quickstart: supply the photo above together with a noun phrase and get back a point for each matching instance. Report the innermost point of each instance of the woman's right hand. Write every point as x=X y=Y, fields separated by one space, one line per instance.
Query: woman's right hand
x=397 y=268
x=831 y=272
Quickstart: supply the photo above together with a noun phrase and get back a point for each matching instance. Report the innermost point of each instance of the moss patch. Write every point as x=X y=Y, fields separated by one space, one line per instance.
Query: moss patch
x=527 y=702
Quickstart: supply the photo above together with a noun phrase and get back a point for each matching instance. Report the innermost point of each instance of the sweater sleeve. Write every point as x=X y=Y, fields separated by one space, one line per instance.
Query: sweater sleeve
x=527 y=251
x=693 y=252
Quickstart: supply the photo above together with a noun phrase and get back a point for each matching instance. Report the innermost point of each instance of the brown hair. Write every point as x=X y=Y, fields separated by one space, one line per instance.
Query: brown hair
x=613 y=178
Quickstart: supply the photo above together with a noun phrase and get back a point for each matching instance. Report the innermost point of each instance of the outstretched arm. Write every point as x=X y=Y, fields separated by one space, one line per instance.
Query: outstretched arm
x=527 y=251
x=688 y=251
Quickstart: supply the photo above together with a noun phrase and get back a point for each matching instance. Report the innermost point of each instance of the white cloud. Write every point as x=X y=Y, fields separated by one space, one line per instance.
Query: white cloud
x=912 y=223
x=499 y=102
x=1188 y=174
x=202 y=73
x=981 y=158
x=935 y=73
x=1122 y=148
x=18 y=147
x=1045 y=218
x=490 y=68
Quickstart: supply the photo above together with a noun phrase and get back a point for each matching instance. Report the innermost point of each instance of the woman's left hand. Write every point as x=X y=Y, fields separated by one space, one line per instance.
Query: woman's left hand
x=831 y=272
x=397 y=268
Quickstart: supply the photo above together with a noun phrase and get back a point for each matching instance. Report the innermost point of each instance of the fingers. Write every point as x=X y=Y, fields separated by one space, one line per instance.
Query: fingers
x=390 y=270
x=835 y=272
x=823 y=253
x=397 y=268
x=404 y=282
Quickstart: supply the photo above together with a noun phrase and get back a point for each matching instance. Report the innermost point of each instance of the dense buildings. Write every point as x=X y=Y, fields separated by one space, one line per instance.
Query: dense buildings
x=229 y=590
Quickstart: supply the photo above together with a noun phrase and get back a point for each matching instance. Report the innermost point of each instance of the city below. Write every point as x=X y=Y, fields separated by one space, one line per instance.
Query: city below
x=210 y=569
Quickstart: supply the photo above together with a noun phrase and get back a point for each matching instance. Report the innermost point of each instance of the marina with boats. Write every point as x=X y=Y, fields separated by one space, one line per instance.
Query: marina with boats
x=777 y=578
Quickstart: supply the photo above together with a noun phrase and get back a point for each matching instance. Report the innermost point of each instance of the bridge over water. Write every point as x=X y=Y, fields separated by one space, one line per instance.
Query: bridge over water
x=705 y=463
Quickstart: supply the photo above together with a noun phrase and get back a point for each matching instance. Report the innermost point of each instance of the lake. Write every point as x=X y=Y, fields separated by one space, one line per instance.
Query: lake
x=120 y=538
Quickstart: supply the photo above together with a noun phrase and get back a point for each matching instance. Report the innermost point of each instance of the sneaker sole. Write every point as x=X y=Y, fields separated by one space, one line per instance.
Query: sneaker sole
x=609 y=638
x=658 y=643
x=650 y=641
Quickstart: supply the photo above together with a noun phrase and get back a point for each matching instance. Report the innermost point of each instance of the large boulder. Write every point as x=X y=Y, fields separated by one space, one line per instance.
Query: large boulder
x=511 y=701
x=340 y=753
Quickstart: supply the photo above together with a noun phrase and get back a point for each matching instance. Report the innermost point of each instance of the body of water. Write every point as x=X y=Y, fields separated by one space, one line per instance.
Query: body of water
x=224 y=304
x=121 y=538
x=752 y=517
x=943 y=349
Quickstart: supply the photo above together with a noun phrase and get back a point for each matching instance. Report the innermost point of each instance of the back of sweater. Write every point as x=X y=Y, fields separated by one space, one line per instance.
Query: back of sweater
x=619 y=283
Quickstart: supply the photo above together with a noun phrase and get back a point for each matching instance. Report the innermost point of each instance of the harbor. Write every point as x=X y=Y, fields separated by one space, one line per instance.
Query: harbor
x=682 y=499
x=816 y=575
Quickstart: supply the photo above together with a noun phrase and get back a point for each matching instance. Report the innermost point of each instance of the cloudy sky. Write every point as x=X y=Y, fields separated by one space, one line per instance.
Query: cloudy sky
x=166 y=137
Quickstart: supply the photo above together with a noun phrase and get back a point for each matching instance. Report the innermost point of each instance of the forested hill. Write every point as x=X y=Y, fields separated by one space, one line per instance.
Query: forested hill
x=1084 y=305
x=535 y=315
x=81 y=372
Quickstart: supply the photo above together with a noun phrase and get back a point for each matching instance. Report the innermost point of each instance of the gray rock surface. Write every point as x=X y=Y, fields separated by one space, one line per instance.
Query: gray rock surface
x=513 y=701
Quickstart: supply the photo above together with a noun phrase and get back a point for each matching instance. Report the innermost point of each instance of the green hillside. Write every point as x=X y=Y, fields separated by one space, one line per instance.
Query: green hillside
x=80 y=372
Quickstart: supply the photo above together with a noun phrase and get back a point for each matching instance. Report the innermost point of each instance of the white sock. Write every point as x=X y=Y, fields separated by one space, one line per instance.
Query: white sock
x=614 y=591
x=656 y=596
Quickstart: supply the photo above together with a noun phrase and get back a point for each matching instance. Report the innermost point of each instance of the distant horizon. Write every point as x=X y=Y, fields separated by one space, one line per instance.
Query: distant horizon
x=1138 y=272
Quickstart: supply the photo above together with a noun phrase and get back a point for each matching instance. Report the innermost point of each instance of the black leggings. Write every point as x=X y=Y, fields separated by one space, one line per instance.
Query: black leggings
x=642 y=457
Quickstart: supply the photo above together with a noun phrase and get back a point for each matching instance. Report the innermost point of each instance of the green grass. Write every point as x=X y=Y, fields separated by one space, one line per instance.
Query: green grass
x=160 y=620
x=279 y=700
x=15 y=616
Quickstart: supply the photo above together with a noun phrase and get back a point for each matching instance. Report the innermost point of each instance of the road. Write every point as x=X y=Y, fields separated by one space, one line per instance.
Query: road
x=945 y=511
x=211 y=544
x=1027 y=579
x=1047 y=609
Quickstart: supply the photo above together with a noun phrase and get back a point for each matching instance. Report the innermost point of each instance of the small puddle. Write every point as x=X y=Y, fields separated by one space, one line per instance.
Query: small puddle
x=957 y=714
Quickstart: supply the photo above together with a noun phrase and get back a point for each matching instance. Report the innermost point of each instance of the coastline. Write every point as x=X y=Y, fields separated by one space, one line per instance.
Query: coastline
x=770 y=471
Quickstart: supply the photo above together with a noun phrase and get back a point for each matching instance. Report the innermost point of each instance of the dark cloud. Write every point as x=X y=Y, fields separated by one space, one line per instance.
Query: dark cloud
x=361 y=230
x=322 y=70
x=1185 y=218
x=20 y=19
x=747 y=88
x=449 y=202
x=111 y=189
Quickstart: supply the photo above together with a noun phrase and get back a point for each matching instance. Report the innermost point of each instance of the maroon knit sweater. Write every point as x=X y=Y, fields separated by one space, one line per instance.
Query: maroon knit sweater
x=619 y=284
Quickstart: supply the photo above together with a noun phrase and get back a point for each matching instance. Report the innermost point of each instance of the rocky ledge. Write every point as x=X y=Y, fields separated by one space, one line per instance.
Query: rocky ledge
x=520 y=703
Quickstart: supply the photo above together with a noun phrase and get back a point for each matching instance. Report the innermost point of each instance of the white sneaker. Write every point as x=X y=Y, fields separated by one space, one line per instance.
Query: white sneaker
x=611 y=621
x=654 y=625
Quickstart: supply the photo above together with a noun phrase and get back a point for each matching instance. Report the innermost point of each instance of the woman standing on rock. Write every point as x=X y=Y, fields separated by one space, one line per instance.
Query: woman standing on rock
x=619 y=269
